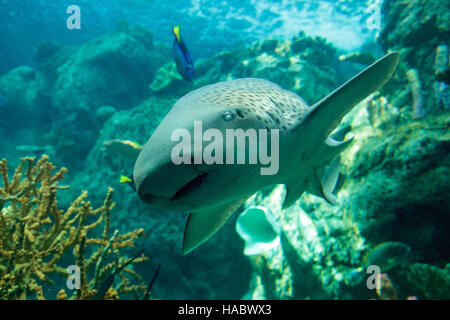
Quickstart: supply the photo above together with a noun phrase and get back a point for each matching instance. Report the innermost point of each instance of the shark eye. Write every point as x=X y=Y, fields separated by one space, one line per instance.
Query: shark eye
x=227 y=116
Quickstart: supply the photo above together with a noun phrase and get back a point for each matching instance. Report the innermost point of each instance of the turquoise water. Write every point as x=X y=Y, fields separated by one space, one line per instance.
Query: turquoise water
x=86 y=84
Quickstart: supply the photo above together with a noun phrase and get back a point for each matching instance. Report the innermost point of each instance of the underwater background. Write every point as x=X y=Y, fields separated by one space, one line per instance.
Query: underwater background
x=87 y=100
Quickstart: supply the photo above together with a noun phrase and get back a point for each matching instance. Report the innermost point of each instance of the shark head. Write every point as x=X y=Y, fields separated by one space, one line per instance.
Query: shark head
x=202 y=116
x=173 y=170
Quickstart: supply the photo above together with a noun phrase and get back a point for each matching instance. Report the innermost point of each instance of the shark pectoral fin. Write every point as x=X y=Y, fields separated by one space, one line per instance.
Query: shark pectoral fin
x=340 y=132
x=330 y=198
x=323 y=180
x=293 y=192
x=200 y=226
x=328 y=112
x=333 y=147
x=329 y=181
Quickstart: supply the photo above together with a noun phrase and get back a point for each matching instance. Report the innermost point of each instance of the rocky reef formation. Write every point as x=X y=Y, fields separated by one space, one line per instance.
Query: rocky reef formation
x=76 y=84
x=303 y=65
x=395 y=187
x=395 y=183
x=209 y=28
x=416 y=29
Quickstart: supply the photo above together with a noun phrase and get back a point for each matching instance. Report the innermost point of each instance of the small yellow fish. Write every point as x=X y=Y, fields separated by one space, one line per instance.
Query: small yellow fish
x=128 y=180
x=125 y=179
x=176 y=32
x=124 y=148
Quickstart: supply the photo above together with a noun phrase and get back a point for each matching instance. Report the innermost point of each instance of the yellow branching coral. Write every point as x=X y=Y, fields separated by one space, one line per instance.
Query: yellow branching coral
x=36 y=236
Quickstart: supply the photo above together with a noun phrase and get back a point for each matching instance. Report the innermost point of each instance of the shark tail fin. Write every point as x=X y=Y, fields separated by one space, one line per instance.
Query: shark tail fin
x=325 y=115
x=200 y=226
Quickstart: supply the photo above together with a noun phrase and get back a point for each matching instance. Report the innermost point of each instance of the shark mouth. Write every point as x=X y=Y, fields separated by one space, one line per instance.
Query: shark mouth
x=190 y=186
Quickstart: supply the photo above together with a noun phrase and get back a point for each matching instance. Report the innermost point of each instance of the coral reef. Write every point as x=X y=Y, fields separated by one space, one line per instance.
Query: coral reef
x=318 y=246
x=442 y=60
x=167 y=79
x=442 y=67
x=293 y=65
x=35 y=235
x=416 y=29
x=66 y=95
x=395 y=184
x=21 y=89
x=430 y=282
x=416 y=91
x=236 y=23
x=359 y=57
x=256 y=228
x=103 y=65
x=46 y=49
x=104 y=113
x=35 y=150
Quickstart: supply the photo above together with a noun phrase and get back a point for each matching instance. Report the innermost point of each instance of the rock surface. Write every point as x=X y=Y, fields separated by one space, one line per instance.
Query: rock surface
x=61 y=98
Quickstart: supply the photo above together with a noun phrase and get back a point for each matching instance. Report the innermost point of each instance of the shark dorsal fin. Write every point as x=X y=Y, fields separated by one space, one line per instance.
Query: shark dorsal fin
x=326 y=114
x=200 y=226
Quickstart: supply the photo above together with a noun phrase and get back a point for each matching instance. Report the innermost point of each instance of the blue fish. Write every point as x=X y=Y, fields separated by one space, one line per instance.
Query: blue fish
x=2 y=99
x=180 y=54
